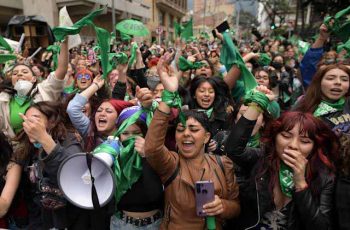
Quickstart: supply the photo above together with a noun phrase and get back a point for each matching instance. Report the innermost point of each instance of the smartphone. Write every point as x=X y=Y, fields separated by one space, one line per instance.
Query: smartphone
x=221 y=28
x=204 y=192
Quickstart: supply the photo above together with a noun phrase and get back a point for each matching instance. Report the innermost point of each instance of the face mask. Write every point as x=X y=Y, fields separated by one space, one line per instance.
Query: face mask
x=37 y=145
x=277 y=65
x=329 y=61
x=23 y=87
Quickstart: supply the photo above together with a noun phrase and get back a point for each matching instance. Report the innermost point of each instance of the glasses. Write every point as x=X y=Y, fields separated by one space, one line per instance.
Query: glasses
x=86 y=76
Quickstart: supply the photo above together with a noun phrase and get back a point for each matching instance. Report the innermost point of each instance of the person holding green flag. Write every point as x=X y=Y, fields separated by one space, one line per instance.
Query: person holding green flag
x=289 y=183
x=25 y=90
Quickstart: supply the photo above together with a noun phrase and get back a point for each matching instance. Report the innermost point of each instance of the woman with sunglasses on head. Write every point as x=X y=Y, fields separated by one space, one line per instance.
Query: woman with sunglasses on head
x=290 y=180
x=25 y=90
x=180 y=170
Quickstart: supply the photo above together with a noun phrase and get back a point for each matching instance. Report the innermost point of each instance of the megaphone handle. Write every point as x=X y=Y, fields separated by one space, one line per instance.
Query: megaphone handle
x=94 y=196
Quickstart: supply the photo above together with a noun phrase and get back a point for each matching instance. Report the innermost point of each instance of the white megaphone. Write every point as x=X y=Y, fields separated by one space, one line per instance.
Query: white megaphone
x=74 y=177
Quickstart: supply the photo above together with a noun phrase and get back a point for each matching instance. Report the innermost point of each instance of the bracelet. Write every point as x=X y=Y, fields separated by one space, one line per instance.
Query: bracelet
x=256 y=106
x=98 y=87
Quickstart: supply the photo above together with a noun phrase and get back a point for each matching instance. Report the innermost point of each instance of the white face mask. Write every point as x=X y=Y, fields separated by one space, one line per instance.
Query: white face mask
x=23 y=87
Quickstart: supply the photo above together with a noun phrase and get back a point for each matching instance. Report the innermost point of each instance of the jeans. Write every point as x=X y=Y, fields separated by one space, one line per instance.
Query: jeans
x=117 y=224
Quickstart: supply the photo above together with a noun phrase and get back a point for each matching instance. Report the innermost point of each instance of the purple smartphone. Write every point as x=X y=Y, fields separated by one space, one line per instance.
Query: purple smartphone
x=204 y=194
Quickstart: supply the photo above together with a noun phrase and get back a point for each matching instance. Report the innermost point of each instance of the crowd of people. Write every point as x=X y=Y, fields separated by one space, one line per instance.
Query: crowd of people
x=263 y=121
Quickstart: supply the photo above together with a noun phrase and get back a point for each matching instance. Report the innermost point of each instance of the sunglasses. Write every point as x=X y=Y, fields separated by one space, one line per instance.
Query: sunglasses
x=86 y=76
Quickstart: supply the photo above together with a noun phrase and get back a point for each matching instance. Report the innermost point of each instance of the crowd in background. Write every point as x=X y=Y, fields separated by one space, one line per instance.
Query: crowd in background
x=265 y=121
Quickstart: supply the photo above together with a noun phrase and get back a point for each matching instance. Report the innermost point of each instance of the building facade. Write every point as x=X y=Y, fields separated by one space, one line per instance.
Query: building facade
x=49 y=9
x=163 y=15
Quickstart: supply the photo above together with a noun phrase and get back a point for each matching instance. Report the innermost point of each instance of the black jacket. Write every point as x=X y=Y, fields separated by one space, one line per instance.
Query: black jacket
x=306 y=210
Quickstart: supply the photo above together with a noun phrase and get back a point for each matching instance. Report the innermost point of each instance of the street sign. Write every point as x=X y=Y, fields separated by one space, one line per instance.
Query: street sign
x=159 y=30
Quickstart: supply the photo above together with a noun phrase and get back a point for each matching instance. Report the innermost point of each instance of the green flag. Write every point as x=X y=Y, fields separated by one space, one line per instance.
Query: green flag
x=341 y=25
x=5 y=45
x=345 y=46
x=7 y=57
x=187 y=31
x=178 y=28
x=264 y=59
x=103 y=36
x=230 y=56
x=55 y=49
x=303 y=46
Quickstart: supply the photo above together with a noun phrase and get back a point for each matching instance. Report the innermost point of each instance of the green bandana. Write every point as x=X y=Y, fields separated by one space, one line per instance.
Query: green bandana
x=185 y=64
x=103 y=36
x=286 y=179
x=345 y=47
x=133 y=54
x=21 y=99
x=127 y=168
x=326 y=107
x=173 y=100
x=70 y=89
x=5 y=45
x=209 y=112
x=55 y=49
x=230 y=56
x=258 y=97
x=264 y=59
x=7 y=57
x=115 y=59
x=254 y=141
x=341 y=26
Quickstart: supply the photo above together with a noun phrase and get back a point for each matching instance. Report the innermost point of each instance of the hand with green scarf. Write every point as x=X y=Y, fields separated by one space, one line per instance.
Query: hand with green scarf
x=140 y=145
x=293 y=158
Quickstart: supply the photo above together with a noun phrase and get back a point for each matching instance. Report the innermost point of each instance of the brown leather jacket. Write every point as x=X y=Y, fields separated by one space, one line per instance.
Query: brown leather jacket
x=180 y=205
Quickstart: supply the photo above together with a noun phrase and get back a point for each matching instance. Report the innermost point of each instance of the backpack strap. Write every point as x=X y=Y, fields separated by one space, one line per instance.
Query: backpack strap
x=172 y=177
x=219 y=160
x=176 y=172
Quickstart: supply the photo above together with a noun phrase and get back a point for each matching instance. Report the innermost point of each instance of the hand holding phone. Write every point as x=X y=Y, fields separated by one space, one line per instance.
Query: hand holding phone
x=204 y=192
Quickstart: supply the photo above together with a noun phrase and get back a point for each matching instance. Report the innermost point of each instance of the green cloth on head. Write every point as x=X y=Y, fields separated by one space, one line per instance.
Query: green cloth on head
x=341 y=25
x=286 y=179
x=7 y=57
x=133 y=54
x=55 y=49
x=5 y=45
x=230 y=56
x=185 y=64
x=16 y=107
x=326 y=107
x=264 y=59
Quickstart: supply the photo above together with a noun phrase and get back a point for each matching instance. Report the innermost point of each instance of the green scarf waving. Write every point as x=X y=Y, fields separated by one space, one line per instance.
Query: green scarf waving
x=103 y=36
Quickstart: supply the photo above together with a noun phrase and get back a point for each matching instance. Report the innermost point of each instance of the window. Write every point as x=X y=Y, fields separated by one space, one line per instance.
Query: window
x=161 y=18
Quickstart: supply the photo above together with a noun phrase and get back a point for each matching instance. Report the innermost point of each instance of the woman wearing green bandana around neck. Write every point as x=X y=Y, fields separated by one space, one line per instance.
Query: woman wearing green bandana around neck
x=26 y=90
x=212 y=96
x=326 y=97
x=290 y=181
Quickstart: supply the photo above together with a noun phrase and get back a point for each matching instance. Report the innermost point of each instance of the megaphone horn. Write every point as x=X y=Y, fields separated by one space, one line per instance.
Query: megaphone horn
x=75 y=180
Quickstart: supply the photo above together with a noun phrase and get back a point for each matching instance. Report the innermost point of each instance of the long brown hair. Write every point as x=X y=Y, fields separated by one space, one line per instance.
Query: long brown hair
x=313 y=95
x=53 y=111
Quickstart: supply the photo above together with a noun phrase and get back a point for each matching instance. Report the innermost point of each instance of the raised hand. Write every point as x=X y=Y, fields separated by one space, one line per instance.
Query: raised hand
x=145 y=97
x=167 y=75
x=266 y=91
x=140 y=145
x=99 y=81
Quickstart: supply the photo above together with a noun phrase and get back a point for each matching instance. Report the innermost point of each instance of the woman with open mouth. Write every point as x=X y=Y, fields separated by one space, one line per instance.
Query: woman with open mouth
x=211 y=95
x=180 y=170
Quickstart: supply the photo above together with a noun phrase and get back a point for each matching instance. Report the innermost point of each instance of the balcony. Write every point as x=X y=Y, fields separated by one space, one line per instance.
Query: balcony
x=171 y=6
